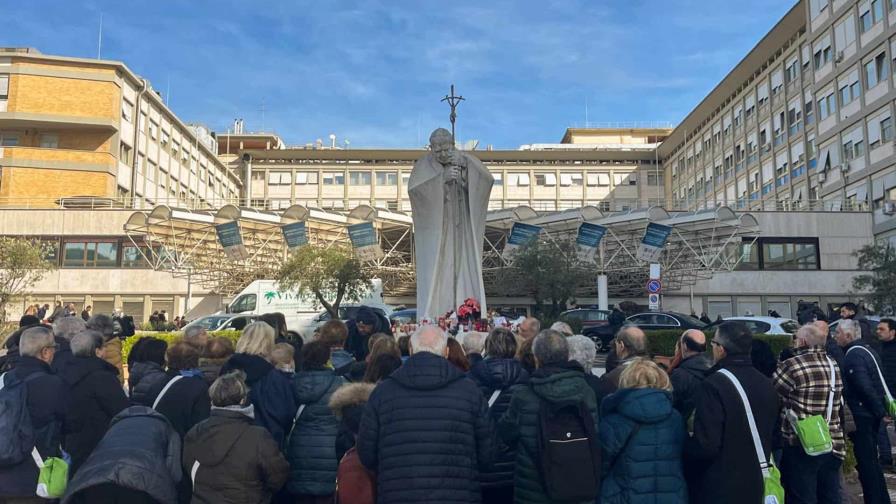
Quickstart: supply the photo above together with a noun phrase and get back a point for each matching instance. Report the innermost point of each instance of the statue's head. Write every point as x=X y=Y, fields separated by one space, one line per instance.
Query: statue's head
x=442 y=145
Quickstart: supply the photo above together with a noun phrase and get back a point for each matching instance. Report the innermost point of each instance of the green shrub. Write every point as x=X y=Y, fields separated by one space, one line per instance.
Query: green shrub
x=170 y=338
x=662 y=342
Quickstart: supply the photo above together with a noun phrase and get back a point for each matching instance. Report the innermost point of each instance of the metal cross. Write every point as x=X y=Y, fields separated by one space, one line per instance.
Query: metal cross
x=453 y=102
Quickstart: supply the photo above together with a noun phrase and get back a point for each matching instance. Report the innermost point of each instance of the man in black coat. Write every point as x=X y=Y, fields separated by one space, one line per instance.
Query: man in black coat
x=721 y=452
x=95 y=397
x=687 y=376
x=886 y=335
x=629 y=344
x=45 y=400
x=367 y=321
x=849 y=311
x=426 y=431
x=864 y=394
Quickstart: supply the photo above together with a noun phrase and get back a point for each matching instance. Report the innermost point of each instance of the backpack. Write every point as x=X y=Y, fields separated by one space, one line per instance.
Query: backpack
x=568 y=451
x=355 y=484
x=15 y=422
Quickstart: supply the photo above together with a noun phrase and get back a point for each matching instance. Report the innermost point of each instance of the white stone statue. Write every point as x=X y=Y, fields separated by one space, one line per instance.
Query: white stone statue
x=449 y=193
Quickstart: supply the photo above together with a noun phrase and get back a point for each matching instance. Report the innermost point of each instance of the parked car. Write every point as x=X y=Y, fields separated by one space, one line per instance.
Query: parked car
x=222 y=322
x=763 y=325
x=406 y=316
x=346 y=312
x=652 y=321
x=595 y=325
x=873 y=320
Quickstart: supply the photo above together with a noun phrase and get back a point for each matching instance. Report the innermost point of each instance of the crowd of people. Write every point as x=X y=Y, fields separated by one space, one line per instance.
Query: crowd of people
x=357 y=415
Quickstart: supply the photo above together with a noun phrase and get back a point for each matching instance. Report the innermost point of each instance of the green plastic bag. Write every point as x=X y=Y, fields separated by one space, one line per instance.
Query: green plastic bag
x=890 y=403
x=53 y=476
x=774 y=491
x=814 y=434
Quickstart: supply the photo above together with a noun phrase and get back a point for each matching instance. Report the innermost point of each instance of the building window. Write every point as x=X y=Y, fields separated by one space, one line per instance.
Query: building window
x=654 y=179
x=153 y=130
x=518 y=179
x=78 y=254
x=599 y=179
x=165 y=138
x=886 y=129
x=571 y=179
x=334 y=178
x=780 y=254
x=386 y=178
x=876 y=70
x=822 y=55
x=127 y=111
x=827 y=106
x=499 y=179
x=135 y=258
x=359 y=178
x=303 y=178
x=279 y=178
x=9 y=139
x=871 y=15
x=850 y=92
x=545 y=179
x=49 y=141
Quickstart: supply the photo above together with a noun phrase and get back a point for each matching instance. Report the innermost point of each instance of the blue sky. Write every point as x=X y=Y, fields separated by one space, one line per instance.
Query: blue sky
x=374 y=71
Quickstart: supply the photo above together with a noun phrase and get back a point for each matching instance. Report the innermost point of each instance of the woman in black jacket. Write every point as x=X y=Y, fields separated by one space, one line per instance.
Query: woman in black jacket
x=146 y=370
x=270 y=393
x=495 y=374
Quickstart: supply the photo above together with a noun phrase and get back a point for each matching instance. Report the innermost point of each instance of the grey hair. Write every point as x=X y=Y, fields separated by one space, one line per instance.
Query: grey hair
x=850 y=327
x=435 y=345
x=812 y=334
x=103 y=324
x=562 y=327
x=35 y=339
x=550 y=347
x=582 y=350
x=500 y=344
x=473 y=342
x=86 y=343
x=193 y=332
x=633 y=339
x=229 y=390
x=68 y=327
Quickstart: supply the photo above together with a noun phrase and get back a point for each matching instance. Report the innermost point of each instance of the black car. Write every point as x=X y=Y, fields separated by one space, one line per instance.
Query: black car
x=652 y=321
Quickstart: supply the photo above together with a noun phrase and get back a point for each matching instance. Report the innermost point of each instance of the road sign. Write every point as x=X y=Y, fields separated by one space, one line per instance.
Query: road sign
x=654 y=286
x=653 y=301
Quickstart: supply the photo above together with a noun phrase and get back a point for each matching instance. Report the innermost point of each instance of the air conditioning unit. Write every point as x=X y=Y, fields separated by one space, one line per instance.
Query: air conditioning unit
x=822 y=176
x=889 y=207
x=839 y=57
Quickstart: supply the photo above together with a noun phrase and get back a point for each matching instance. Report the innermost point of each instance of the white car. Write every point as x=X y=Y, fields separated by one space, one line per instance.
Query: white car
x=765 y=325
x=347 y=311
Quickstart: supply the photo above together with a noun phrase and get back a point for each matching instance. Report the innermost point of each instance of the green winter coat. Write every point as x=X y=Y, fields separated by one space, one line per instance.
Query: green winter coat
x=519 y=425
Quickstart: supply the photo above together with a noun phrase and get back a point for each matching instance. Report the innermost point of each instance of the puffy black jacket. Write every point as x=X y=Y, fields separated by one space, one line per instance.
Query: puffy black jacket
x=239 y=463
x=145 y=380
x=864 y=393
x=185 y=403
x=311 y=450
x=888 y=363
x=140 y=452
x=491 y=375
x=46 y=407
x=95 y=397
x=271 y=393
x=519 y=425
x=721 y=454
x=63 y=356
x=686 y=380
x=427 y=433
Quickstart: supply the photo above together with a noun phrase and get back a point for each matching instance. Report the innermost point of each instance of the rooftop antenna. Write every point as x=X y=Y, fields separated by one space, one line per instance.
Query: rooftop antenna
x=332 y=140
x=99 y=43
x=453 y=102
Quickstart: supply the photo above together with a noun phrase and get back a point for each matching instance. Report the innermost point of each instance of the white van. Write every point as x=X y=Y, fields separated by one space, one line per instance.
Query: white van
x=302 y=314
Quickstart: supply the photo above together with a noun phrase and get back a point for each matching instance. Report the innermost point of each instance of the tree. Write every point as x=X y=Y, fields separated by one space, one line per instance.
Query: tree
x=880 y=260
x=23 y=263
x=548 y=271
x=329 y=275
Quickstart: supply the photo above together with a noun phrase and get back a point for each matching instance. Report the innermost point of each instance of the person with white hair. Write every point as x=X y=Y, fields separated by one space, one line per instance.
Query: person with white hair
x=562 y=328
x=425 y=430
x=64 y=329
x=810 y=384
x=472 y=344
x=95 y=397
x=46 y=409
x=865 y=397
x=583 y=351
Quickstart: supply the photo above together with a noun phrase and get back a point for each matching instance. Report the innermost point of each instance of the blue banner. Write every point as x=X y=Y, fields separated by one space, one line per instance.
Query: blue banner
x=654 y=241
x=295 y=234
x=521 y=234
x=365 y=242
x=590 y=235
x=230 y=239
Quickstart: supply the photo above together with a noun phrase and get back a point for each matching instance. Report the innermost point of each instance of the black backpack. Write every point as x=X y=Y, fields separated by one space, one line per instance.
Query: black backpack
x=568 y=451
x=15 y=421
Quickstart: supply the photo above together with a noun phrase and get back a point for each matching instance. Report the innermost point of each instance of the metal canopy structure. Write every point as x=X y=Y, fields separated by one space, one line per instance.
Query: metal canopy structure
x=185 y=243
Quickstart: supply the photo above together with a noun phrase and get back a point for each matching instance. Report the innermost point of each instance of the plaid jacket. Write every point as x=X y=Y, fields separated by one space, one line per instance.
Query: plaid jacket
x=804 y=383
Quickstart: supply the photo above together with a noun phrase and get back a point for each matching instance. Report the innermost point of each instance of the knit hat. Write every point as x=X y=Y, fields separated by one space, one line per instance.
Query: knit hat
x=735 y=338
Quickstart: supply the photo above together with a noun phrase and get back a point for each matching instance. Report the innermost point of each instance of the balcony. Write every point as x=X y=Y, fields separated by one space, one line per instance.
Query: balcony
x=38 y=157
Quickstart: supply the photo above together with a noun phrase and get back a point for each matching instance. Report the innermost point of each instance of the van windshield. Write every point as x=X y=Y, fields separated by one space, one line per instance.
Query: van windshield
x=244 y=303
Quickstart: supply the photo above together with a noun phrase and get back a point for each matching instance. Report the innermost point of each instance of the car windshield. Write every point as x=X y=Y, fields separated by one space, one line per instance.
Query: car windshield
x=689 y=319
x=211 y=323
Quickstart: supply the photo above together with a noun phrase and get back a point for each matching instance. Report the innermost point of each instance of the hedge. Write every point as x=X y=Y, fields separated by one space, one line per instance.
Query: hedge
x=662 y=342
x=169 y=337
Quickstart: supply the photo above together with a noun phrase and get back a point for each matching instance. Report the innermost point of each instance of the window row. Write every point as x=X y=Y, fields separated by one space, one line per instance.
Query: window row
x=780 y=254
x=518 y=179
x=100 y=253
